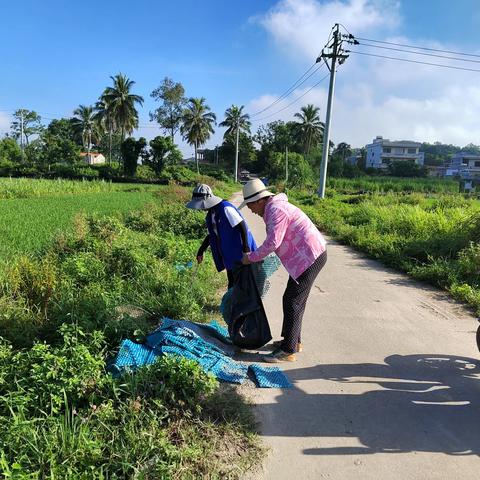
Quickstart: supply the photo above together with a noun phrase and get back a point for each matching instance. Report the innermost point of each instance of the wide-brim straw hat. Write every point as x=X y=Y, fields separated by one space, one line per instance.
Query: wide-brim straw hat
x=203 y=198
x=254 y=190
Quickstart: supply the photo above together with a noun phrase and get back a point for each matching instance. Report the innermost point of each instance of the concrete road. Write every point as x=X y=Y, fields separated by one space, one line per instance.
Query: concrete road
x=388 y=385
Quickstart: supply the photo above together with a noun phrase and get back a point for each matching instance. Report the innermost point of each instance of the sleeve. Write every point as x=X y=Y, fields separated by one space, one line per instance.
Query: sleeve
x=234 y=218
x=242 y=228
x=203 y=246
x=276 y=228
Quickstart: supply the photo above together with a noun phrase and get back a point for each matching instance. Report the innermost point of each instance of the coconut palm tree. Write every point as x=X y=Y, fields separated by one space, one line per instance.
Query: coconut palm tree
x=84 y=124
x=121 y=103
x=235 y=121
x=310 y=127
x=197 y=124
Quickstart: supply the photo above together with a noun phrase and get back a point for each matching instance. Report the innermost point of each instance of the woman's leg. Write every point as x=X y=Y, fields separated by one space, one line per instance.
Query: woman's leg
x=295 y=301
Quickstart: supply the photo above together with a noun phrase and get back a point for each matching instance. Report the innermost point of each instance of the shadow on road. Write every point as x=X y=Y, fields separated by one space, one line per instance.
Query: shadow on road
x=428 y=403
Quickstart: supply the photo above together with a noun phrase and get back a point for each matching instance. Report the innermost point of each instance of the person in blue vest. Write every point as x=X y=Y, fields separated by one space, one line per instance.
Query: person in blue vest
x=228 y=234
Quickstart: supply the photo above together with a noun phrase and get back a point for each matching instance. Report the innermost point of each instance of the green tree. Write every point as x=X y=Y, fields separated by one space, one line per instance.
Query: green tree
x=10 y=150
x=300 y=172
x=121 y=103
x=131 y=151
x=169 y=114
x=406 y=169
x=27 y=120
x=197 y=124
x=64 y=128
x=84 y=125
x=236 y=122
x=163 y=152
x=58 y=149
x=310 y=128
x=105 y=120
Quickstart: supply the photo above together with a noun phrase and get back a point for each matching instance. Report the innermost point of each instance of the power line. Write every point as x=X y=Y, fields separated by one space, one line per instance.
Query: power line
x=415 y=61
x=289 y=90
x=419 y=48
x=420 y=53
x=295 y=101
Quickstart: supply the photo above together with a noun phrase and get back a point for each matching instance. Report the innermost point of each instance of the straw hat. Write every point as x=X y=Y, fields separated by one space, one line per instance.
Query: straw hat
x=203 y=198
x=254 y=190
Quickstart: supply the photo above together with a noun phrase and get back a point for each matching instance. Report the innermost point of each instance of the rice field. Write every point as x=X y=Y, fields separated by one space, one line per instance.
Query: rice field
x=34 y=211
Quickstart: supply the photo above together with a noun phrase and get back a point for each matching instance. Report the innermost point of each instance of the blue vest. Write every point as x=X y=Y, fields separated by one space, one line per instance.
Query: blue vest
x=227 y=246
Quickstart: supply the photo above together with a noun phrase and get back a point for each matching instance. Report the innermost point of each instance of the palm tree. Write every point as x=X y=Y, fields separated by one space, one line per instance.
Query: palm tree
x=84 y=123
x=235 y=121
x=121 y=103
x=310 y=127
x=197 y=124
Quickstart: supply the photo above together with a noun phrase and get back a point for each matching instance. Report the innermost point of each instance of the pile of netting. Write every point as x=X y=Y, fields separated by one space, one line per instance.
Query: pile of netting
x=207 y=344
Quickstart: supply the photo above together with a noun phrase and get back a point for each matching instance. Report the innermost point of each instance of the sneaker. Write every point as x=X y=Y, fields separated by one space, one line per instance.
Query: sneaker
x=279 y=355
x=278 y=344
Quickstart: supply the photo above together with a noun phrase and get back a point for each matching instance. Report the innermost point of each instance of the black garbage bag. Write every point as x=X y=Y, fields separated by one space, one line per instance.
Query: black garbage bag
x=248 y=326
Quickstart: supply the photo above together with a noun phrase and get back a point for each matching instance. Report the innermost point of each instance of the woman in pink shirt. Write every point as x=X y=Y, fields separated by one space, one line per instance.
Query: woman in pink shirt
x=302 y=250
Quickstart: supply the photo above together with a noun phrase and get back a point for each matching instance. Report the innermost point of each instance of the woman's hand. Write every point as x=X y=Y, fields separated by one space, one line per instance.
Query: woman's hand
x=199 y=259
x=245 y=259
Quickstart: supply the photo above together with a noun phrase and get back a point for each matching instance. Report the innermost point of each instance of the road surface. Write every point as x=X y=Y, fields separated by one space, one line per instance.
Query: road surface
x=388 y=385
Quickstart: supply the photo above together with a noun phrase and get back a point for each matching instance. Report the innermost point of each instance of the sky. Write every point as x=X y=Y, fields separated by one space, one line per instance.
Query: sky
x=56 y=55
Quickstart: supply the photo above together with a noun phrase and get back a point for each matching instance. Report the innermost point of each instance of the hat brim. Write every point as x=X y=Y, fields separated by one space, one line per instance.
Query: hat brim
x=256 y=197
x=204 y=204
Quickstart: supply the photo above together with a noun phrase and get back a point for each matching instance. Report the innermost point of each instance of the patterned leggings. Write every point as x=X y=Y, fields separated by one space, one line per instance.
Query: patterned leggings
x=294 y=302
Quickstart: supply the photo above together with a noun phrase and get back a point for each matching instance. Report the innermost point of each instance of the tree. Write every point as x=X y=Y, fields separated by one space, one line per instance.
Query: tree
x=406 y=169
x=120 y=102
x=84 y=124
x=10 y=151
x=27 y=121
x=300 y=172
x=131 y=150
x=64 y=128
x=169 y=114
x=343 y=151
x=235 y=121
x=105 y=121
x=198 y=123
x=163 y=152
x=58 y=149
x=310 y=128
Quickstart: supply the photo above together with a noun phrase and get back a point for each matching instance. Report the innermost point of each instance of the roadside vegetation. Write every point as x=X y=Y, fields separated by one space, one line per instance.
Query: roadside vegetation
x=63 y=312
x=420 y=227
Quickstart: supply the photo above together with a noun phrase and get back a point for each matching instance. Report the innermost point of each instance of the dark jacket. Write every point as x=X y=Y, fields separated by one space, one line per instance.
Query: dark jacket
x=227 y=247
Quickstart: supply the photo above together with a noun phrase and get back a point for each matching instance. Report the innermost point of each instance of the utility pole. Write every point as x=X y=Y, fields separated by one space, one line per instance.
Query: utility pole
x=21 y=133
x=236 y=151
x=286 y=165
x=337 y=53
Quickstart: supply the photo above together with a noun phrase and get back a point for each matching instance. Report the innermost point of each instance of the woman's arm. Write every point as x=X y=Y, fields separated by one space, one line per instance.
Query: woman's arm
x=242 y=229
x=202 y=249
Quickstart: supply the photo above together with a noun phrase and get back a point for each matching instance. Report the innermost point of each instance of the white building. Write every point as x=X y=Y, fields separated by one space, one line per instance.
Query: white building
x=383 y=152
x=92 y=158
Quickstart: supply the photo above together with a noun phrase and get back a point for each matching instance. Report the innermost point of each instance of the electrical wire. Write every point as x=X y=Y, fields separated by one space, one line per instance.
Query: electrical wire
x=419 y=48
x=414 y=61
x=289 y=90
x=295 y=101
x=420 y=53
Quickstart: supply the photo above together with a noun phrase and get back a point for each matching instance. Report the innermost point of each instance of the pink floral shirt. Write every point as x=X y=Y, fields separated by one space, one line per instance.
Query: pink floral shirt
x=291 y=235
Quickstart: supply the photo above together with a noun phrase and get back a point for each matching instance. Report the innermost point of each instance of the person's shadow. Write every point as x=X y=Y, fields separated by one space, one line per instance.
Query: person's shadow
x=427 y=403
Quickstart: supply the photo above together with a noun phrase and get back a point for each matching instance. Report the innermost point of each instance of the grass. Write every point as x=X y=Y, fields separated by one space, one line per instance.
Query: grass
x=417 y=226
x=65 y=307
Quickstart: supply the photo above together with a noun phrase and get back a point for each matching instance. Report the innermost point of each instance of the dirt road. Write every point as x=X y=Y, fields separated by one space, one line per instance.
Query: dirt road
x=388 y=386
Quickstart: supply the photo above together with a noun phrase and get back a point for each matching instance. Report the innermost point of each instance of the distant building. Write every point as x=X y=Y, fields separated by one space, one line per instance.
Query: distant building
x=202 y=154
x=382 y=152
x=354 y=159
x=92 y=158
x=464 y=165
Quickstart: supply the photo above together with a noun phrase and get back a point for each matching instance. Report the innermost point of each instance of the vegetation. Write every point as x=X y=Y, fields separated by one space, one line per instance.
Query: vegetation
x=418 y=226
x=64 y=312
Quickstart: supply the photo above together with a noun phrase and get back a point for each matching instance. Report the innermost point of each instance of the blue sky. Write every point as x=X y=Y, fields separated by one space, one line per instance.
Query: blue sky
x=56 y=55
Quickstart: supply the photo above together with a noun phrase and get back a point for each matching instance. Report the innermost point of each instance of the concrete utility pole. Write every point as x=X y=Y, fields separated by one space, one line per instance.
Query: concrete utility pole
x=21 y=133
x=236 y=151
x=286 y=165
x=336 y=54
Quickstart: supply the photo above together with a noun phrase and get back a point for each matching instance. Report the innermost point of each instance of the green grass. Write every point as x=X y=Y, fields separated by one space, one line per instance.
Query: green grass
x=417 y=226
x=29 y=224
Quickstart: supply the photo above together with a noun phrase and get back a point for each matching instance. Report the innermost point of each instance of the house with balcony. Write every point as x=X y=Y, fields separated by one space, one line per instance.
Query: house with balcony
x=464 y=165
x=383 y=152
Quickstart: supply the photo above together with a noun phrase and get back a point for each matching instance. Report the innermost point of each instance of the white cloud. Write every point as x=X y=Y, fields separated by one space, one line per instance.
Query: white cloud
x=374 y=96
x=301 y=27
